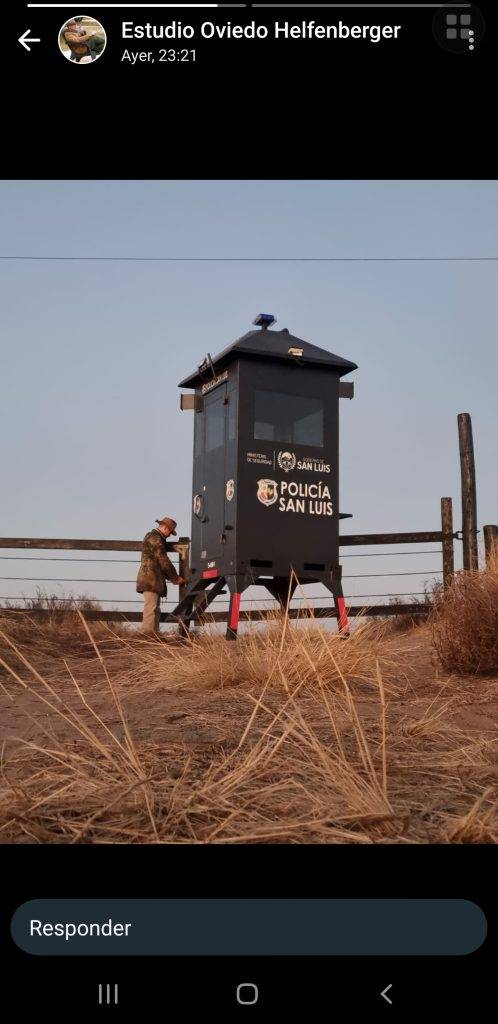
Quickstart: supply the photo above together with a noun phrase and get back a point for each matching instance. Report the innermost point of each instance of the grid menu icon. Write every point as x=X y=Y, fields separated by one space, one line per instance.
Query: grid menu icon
x=458 y=25
x=458 y=28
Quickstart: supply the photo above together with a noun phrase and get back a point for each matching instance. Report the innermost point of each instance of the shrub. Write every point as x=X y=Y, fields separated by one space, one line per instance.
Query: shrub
x=465 y=622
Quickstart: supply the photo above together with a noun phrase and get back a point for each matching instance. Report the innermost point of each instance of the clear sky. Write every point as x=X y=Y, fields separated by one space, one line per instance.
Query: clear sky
x=93 y=442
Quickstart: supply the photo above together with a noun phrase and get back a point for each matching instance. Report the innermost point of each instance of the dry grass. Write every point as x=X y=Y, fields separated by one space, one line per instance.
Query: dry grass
x=401 y=622
x=282 y=656
x=465 y=622
x=52 y=610
x=312 y=738
x=47 y=623
x=479 y=824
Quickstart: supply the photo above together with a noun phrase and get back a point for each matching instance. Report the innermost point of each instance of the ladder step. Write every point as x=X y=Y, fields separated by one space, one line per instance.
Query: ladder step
x=198 y=597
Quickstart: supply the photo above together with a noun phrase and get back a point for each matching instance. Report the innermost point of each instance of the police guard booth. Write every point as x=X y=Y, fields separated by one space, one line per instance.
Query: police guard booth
x=265 y=502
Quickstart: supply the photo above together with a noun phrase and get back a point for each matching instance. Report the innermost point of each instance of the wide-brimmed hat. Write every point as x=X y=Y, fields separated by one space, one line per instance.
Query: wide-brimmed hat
x=168 y=522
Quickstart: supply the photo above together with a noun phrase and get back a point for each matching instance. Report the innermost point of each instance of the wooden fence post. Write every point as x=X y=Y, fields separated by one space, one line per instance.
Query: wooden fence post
x=469 y=499
x=447 y=531
x=491 y=546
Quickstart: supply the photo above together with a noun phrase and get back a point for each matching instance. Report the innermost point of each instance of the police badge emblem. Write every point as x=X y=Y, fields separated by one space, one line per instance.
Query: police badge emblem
x=267 y=492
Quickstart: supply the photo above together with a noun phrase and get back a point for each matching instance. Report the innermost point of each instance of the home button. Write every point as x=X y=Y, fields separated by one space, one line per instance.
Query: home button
x=247 y=993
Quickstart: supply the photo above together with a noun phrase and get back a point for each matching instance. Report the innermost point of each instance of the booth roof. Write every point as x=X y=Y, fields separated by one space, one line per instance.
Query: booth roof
x=273 y=345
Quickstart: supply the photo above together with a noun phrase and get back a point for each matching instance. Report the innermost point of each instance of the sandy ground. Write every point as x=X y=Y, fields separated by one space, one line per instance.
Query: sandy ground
x=191 y=717
x=440 y=736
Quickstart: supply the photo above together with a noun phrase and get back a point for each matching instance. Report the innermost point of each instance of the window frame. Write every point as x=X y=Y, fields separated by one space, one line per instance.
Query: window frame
x=215 y=401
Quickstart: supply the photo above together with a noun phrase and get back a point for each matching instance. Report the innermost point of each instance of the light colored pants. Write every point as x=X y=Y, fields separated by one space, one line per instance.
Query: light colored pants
x=151 y=612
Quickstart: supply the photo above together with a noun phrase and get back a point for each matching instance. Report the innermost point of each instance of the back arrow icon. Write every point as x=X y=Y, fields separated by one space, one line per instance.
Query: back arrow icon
x=24 y=40
x=385 y=996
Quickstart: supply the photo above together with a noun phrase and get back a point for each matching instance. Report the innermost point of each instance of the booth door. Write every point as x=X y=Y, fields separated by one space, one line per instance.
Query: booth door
x=216 y=415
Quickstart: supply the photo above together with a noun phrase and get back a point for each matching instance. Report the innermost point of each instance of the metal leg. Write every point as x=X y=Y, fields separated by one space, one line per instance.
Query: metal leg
x=236 y=585
x=334 y=584
x=184 y=619
x=233 y=616
x=342 y=615
x=195 y=607
x=184 y=625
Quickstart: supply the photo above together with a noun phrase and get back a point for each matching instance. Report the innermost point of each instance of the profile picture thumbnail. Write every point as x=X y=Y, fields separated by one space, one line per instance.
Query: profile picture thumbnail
x=82 y=39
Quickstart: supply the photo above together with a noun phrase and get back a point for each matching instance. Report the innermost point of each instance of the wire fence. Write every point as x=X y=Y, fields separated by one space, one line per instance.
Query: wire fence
x=426 y=577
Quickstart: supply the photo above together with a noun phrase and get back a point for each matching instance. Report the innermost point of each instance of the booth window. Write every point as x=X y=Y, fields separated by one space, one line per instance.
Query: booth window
x=288 y=419
x=232 y=416
x=198 y=434
x=215 y=424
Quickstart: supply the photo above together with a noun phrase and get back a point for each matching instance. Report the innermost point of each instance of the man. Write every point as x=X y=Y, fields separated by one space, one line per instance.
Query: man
x=83 y=44
x=155 y=569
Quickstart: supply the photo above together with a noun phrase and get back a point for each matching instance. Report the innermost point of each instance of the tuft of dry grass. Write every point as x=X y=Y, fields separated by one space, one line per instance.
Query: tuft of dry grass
x=48 y=624
x=479 y=824
x=284 y=657
x=402 y=622
x=61 y=610
x=464 y=622
x=309 y=741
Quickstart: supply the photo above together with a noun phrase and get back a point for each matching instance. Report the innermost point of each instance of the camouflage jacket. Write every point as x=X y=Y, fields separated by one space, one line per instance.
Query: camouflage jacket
x=155 y=566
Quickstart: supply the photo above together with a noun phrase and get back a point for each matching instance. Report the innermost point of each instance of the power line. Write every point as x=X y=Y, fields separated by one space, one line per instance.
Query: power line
x=259 y=259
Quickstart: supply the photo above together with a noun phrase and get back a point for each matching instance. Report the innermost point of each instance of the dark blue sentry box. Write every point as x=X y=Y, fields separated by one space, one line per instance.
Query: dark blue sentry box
x=245 y=927
x=265 y=496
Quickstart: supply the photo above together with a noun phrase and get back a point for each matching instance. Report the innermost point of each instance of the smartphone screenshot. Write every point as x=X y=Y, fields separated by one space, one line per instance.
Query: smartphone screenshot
x=248 y=276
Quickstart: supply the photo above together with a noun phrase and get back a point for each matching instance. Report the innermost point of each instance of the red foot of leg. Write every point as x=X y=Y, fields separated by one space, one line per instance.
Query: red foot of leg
x=233 y=617
x=342 y=615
